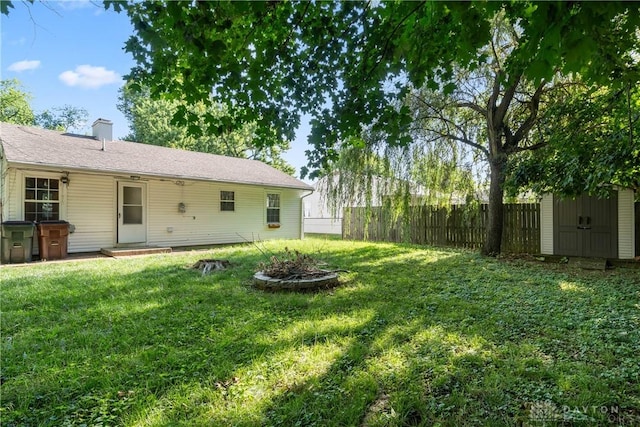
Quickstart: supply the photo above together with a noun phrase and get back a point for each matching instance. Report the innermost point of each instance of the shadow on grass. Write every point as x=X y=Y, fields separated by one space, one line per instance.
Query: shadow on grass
x=414 y=337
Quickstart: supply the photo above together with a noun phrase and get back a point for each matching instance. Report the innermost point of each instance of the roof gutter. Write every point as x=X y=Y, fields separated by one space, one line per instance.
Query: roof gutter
x=117 y=172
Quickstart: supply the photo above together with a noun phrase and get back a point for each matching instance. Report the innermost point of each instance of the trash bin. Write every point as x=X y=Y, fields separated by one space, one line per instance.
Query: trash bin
x=17 y=241
x=52 y=239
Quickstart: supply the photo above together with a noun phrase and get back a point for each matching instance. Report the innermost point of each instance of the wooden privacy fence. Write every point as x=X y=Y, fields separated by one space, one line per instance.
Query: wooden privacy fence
x=459 y=225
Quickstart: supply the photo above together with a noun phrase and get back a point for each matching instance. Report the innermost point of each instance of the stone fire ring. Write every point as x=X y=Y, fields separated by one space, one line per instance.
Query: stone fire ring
x=268 y=283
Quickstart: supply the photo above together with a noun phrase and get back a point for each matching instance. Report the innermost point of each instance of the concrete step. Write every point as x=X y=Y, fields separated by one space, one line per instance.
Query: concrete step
x=132 y=251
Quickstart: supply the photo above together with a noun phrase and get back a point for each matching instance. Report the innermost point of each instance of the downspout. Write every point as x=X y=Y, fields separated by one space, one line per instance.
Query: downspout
x=302 y=213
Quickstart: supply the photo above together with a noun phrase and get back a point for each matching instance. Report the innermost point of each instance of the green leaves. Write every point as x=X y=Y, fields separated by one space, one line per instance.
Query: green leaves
x=349 y=64
x=591 y=145
x=196 y=126
x=62 y=118
x=15 y=103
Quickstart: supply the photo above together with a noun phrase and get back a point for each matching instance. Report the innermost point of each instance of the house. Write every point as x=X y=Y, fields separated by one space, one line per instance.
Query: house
x=118 y=193
x=587 y=226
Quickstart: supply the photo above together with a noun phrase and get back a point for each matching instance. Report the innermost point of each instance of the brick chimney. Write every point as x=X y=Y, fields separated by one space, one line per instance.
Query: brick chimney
x=103 y=130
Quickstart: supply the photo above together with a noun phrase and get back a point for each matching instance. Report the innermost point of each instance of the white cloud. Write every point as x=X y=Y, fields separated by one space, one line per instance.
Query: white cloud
x=72 y=5
x=25 y=65
x=76 y=4
x=90 y=77
x=17 y=42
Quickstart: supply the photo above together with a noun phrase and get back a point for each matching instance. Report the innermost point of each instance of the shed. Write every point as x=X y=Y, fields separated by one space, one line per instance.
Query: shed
x=588 y=226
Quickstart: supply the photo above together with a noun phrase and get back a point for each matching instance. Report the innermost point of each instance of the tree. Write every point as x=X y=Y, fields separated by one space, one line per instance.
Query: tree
x=15 y=104
x=151 y=122
x=482 y=122
x=15 y=107
x=62 y=118
x=351 y=64
x=491 y=109
x=590 y=144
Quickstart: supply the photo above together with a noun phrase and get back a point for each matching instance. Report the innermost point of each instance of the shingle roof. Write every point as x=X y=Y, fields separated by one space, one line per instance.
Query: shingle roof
x=35 y=146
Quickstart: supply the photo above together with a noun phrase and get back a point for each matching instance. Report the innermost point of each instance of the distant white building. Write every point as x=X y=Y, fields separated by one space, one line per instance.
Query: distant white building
x=317 y=213
x=319 y=216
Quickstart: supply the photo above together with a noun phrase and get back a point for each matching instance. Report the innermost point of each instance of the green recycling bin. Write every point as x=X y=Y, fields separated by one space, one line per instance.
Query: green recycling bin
x=17 y=241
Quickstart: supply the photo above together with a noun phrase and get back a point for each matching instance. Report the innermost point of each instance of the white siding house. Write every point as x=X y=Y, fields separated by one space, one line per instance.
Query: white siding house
x=117 y=193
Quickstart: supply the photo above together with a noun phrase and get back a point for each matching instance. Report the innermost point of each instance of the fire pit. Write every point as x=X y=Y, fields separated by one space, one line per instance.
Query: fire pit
x=294 y=271
x=262 y=281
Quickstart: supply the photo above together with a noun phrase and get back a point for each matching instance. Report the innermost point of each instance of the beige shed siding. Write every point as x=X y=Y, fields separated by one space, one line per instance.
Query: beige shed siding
x=204 y=223
x=91 y=207
x=626 y=226
x=546 y=224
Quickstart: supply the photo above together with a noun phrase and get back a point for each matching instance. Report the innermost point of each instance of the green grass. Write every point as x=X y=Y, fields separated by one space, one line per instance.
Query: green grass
x=413 y=336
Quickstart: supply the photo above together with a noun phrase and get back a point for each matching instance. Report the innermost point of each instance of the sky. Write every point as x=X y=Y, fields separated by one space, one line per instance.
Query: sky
x=72 y=53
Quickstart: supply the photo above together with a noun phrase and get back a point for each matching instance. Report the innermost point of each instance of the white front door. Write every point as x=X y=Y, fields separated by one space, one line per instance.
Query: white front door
x=132 y=224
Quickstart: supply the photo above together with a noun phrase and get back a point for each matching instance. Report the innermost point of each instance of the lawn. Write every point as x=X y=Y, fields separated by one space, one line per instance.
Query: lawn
x=413 y=336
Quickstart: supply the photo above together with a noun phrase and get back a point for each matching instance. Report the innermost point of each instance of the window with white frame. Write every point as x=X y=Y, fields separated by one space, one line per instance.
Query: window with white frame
x=41 y=199
x=228 y=201
x=273 y=208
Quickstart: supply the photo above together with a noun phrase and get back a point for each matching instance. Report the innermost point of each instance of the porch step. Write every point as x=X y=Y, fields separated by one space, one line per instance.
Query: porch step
x=130 y=251
x=590 y=263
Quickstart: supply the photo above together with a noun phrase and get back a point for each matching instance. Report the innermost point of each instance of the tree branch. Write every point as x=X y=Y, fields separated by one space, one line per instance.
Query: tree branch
x=391 y=36
x=473 y=106
x=526 y=126
x=463 y=140
x=293 y=27
x=529 y=147
x=502 y=109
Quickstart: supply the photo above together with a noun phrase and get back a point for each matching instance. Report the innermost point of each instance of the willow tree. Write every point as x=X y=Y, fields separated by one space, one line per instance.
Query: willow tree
x=349 y=64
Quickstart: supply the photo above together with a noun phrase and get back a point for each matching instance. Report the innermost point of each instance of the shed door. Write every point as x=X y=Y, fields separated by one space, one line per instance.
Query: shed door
x=586 y=226
x=567 y=237
x=132 y=223
x=600 y=224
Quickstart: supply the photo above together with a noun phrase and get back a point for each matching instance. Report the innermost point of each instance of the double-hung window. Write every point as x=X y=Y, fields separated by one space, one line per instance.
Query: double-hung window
x=273 y=208
x=228 y=201
x=41 y=199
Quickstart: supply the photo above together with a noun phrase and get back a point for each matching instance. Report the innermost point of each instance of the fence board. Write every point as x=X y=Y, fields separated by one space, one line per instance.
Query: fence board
x=460 y=226
x=637 y=215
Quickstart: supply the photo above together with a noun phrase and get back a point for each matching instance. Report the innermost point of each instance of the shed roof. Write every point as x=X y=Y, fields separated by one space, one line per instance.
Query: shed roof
x=34 y=146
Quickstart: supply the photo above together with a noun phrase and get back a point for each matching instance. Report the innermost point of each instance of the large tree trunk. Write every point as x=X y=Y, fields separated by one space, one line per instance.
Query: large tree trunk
x=496 y=206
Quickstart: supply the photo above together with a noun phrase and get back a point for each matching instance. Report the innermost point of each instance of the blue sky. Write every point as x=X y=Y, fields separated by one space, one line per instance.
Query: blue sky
x=72 y=52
